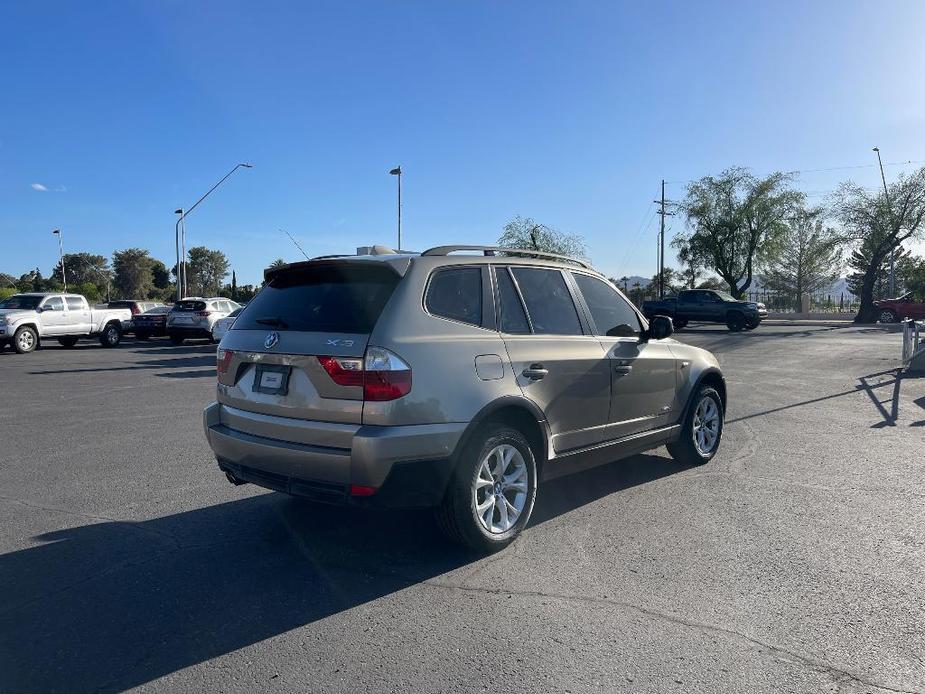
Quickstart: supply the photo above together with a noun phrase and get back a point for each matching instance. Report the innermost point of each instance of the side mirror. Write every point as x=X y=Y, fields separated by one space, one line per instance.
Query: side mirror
x=660 y=327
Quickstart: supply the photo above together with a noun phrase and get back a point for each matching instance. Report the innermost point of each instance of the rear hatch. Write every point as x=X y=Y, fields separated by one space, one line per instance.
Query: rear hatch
x=274 y=359
x=188 y=314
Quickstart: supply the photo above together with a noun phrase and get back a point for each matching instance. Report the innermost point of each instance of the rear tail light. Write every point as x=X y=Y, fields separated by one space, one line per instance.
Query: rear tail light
x=223 y=360
x=135 y=311
x=382 y=374
x=362 y=490
x=203 y=313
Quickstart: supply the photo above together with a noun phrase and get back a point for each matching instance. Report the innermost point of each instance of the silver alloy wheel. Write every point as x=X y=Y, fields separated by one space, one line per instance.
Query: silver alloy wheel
x=499 y=491
x=26 y=340
x=706 y=426
x=886 y=316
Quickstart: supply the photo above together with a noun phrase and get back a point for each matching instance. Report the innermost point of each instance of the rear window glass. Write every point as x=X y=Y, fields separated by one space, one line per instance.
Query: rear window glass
x=189 y=306
x=340 y=299
x=74 y=303
x=121 y=304
x=551 y=309
x=456 y=293
x=513 y=318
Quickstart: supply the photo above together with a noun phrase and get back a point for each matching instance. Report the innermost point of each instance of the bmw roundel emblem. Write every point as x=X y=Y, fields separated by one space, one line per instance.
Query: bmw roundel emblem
x=272 y=340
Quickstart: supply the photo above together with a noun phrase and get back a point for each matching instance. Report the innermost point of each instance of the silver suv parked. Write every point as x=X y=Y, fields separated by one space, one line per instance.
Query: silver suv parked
x=195 y=317
x=458 y=382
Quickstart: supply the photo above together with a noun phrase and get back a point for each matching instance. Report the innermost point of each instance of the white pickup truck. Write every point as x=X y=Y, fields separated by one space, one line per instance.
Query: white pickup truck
x=26 y=319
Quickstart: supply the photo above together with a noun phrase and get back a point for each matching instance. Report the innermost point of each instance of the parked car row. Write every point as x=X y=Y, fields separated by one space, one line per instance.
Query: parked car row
x=28 y=319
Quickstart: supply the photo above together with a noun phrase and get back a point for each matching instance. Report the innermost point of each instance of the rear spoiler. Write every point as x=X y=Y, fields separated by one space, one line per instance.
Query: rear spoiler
x=398 y=264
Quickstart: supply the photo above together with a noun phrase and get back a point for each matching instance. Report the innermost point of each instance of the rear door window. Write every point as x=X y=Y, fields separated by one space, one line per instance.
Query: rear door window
x=333 y=298
x=456 y=293
x=612 y=315
x=549 y=303
x=75 y=303
x=513 y=317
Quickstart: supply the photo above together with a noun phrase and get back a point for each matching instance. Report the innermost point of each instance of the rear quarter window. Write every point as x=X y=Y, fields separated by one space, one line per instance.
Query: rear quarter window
x=456 y=293
x=329 y=298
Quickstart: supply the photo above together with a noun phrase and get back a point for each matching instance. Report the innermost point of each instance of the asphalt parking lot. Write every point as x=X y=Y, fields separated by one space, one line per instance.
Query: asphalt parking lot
x=793 y=562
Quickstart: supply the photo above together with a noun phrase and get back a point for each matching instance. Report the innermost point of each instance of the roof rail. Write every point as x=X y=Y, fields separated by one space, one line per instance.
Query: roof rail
x=492 y=250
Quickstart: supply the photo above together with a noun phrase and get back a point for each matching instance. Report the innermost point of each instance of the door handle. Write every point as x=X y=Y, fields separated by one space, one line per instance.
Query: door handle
x=622 y=370
x=536 y=372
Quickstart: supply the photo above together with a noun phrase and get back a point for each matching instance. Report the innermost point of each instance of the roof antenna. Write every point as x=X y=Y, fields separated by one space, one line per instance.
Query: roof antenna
x=296 y=244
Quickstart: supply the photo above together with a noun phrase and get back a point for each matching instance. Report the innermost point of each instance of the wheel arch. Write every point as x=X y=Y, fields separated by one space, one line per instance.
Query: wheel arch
x=710 y=377
x=517 y=412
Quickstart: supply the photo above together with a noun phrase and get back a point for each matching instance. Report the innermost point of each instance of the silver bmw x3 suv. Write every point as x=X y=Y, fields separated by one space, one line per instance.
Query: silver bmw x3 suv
x=454 y=381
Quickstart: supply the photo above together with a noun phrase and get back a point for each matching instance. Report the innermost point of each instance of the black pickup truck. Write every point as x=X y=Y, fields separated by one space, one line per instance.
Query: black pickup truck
x=710 y=306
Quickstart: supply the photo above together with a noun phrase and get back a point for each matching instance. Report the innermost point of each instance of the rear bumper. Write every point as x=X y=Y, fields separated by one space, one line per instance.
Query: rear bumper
x=408 y=465
x=189 y=330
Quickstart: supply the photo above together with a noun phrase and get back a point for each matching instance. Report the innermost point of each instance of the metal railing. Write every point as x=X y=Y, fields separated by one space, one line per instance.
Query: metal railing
x=912 y=341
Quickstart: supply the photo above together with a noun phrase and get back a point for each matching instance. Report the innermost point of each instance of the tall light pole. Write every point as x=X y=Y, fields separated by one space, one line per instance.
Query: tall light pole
x=182 y=219
x=57 y=232
x=889 y=208
x=397 y=172
x=180 y=291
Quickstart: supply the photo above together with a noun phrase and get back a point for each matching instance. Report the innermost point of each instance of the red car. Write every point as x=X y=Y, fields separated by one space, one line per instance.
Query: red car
x=894 y=310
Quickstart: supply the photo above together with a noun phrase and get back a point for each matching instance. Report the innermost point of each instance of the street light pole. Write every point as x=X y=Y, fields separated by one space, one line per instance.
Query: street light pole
x=177 y=242
x=397 y=172
x=889 y=208
x=57 y=232
x=182 y=219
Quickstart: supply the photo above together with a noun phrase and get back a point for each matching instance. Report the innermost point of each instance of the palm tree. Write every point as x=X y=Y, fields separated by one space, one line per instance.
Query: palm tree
x=279 y=262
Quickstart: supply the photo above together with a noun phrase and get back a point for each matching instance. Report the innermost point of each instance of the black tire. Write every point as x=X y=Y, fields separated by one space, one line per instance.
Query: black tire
x=142 y=336
x=22 y=343
x=887 y=316
x=176 y=339
x=457 y=516
x=685 y=450
x=679 y=324
x=67 y=341
x=735 y=322
x=752 y=324
x=111 y=335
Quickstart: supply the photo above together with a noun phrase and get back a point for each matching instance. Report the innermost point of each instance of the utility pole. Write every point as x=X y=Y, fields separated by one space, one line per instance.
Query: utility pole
x=889 y=207
x=661 y=242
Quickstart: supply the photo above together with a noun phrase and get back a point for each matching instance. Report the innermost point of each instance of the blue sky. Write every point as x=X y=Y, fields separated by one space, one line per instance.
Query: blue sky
x=567 y=112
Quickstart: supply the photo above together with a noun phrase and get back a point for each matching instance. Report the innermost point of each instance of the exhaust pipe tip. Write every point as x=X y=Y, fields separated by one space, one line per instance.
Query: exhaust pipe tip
x=234 y=480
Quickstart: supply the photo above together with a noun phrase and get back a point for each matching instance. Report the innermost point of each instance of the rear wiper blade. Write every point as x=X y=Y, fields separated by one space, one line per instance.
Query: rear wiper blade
x=277 y=322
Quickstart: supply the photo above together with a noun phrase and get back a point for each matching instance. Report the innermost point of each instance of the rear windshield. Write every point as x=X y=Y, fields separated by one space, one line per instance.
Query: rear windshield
x=340 y=299
x=189 y=306
x=121 y=304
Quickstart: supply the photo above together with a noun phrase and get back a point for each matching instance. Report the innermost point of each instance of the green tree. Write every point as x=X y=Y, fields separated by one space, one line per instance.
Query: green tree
x=81 y=268
x=206 y=271
x=525 y=233
x=809 y=258
x=879 y=223
x=279 y=262
x=7 y=280
x=134 y=273
x=737 y=221
x=674 y=282
x=691 y=263
x=160 y=273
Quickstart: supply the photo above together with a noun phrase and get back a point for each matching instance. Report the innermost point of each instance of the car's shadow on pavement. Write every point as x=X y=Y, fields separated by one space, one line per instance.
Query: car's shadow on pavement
x=110 y=605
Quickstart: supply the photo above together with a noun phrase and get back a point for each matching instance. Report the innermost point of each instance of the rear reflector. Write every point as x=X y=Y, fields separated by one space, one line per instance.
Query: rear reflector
x=382 y=374
x=362 y=490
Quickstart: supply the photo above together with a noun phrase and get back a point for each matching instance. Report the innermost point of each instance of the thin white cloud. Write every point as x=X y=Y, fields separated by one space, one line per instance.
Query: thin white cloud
x=39 y=187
